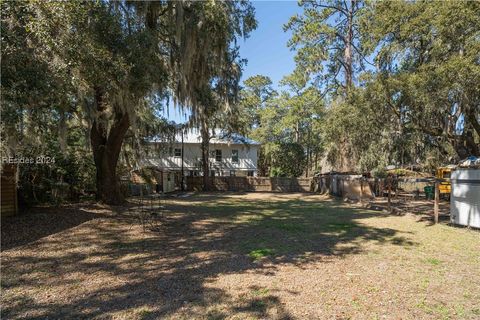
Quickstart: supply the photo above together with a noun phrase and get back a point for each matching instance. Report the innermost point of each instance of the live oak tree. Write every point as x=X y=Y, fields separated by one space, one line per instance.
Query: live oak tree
x=429 y=71
x=208 y=63
x=215 y=118
x=37 y=109
x=418 y=103
x=112 y=56
x=211 y=92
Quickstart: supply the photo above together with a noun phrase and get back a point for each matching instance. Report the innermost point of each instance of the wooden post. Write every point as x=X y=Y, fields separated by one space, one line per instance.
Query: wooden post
x=437 y=200
x=396 y=187
x=361 y=190
x=389 y=194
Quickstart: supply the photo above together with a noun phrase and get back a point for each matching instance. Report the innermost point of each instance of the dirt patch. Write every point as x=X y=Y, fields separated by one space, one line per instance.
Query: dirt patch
x=246 y=255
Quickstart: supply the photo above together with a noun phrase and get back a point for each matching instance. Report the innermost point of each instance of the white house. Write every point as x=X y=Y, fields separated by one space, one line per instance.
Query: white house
x=230 y=155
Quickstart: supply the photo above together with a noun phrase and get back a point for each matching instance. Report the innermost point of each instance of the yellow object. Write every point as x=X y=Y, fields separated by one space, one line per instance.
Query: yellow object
x=444 y=173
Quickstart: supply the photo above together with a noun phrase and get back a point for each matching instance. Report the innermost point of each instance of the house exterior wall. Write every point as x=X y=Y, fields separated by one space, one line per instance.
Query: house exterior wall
x=168 y=182
x=162 y=156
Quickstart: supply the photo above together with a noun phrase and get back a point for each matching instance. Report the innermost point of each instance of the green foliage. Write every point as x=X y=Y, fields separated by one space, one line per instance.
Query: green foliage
x=260 y=253
x=287 y=159
x=433 y=261
x=98 y=68
x=57 y=175
x=286 y=123
x=327 y=40
x=379 y=172
x=420 y=104
x=253 y=98
x=71 y=69
x=429 y=72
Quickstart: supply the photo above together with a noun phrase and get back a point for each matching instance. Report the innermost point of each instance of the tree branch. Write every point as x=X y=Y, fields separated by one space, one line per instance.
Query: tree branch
x=329 y=7
x=473 y=120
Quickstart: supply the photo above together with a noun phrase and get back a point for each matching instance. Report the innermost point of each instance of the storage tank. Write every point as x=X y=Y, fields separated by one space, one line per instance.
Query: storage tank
x=465 y=197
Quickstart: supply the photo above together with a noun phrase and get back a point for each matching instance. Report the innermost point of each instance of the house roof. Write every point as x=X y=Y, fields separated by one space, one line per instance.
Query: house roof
x=220 y=137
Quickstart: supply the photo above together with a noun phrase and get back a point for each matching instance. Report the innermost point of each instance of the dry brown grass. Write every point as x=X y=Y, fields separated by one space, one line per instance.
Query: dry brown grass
x=245 y=256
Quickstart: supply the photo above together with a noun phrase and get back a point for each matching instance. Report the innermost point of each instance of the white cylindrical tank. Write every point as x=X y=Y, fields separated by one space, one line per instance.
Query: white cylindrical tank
x=465 y=197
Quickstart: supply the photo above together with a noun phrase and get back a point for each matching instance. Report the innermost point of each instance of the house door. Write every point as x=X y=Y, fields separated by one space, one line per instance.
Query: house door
x=178 y=180
x=159 y=178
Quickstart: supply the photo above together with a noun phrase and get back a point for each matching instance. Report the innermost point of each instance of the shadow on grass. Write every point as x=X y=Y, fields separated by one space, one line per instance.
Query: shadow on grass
x=168 y=271
x=39 y=222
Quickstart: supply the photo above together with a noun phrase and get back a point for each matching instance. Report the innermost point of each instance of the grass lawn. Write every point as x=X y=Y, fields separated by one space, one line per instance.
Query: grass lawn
x=243 y=256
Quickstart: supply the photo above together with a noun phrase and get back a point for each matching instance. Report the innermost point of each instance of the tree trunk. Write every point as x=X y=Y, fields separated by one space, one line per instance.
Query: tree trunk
x=106 y=148
x=297 y=132
x=465 y=145
x=348 y=47
x=473 y=148
x=205 y=163
x=472 y=117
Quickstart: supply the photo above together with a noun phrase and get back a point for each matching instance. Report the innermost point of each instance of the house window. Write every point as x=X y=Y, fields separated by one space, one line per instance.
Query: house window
x=250 y=173
x=235 y=156
x=232 y=173
x=218 y=155
x=178 y=152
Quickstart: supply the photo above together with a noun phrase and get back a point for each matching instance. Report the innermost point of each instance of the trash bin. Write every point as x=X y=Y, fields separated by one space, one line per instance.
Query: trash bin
x=429 y=192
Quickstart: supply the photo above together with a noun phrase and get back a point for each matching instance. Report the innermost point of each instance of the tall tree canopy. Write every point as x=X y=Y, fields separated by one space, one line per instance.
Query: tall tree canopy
x=106 y=60
x=429 y=68
x=286 y=123
x=419 y=100
x=327 y=39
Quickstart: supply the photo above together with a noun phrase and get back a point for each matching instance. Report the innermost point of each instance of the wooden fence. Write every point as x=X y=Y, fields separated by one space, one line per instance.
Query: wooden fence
x=356 y=187
x=353 y=187
x=252 y=184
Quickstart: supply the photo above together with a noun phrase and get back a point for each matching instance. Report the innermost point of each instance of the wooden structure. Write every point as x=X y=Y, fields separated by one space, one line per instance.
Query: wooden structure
x=9 y=201
x=274 y=184
x=437 y=201
x=353 y=187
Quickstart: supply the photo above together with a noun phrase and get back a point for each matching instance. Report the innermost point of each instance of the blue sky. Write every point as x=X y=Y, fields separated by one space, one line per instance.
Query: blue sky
x=266 y=49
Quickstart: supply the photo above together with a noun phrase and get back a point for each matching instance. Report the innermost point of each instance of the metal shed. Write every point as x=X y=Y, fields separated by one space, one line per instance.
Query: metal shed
x=465 y=197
